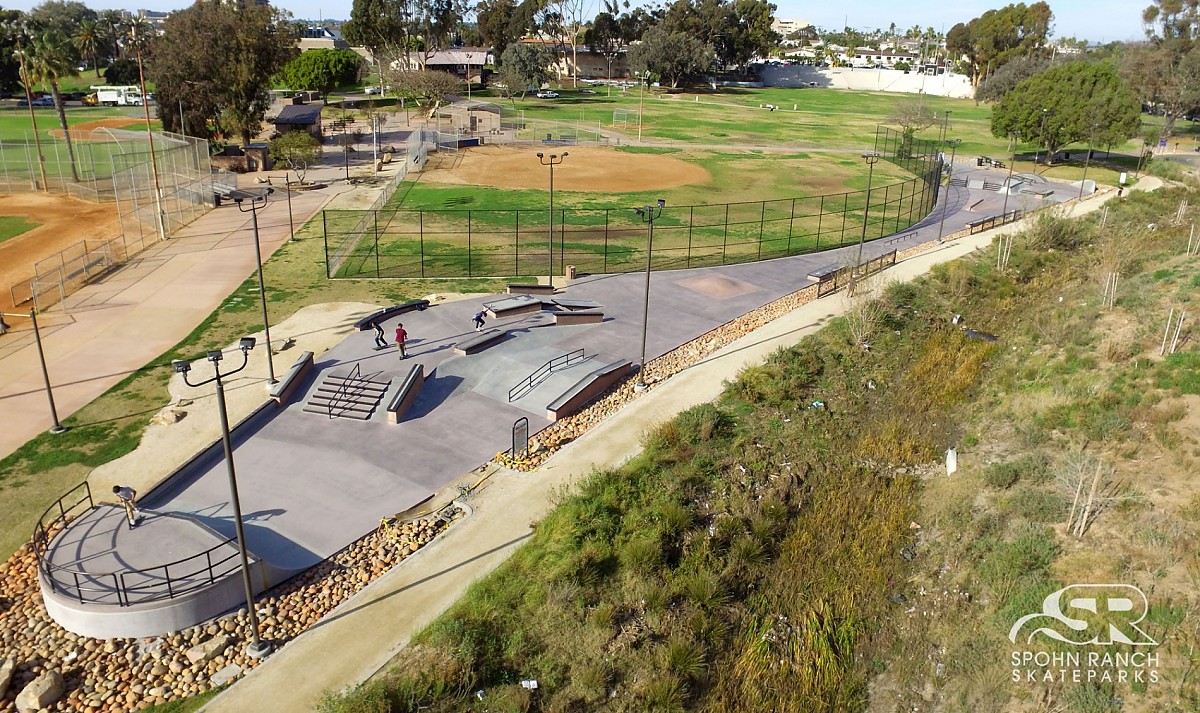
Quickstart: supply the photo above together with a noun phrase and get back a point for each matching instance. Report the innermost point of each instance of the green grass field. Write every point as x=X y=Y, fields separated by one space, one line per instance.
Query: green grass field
x=12 y=225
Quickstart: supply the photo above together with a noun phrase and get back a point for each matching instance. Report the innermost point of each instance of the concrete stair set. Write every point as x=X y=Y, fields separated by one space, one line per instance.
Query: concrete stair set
x=347 y=396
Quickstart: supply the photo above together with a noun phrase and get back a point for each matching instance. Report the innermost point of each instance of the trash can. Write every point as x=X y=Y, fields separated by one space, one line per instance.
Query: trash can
x=216 y=200
x=979 y=161
x=570 y=272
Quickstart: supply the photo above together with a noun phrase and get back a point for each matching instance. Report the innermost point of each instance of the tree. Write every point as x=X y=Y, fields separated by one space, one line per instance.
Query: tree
x=526 y=66
x=61 y=17
x=1165 y=70
x=674 y=56
x=322 y=69
x=604 y=36
x=998 y=36
x=911 y=115
x=298 y=150
x=10 y=67
x=494 y=18
x=1012 y=73
x=111 y=25
x=88 y=38
x=52 y=58
x=430 y=85
x=218 y=60
x=122 y=71
x=376 y=25
x=1068 y=103
x=748 y=32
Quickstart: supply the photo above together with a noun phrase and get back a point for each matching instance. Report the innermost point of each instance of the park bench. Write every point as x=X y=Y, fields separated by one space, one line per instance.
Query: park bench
x=480 y=341
x=387 y=313
x=567 y=318
x=410 y=387
x=530 y=288
x=285 y=387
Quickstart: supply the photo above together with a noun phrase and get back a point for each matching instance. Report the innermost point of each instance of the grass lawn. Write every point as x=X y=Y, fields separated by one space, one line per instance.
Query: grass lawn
x=13 y=225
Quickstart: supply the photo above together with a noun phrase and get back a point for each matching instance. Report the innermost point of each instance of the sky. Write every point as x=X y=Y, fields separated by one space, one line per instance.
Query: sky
x=1095 y=20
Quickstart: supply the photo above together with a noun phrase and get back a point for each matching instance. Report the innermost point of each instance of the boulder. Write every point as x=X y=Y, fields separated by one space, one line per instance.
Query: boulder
x=208 y=650
x=42 y=692
x=6 y=674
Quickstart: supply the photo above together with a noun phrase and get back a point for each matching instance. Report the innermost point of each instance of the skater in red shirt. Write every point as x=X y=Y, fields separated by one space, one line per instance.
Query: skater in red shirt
x=401 y=335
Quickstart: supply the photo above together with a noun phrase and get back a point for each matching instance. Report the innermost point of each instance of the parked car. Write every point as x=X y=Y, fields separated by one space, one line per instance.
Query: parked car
x=43 y=101
x=371 y=90
x=546 y=94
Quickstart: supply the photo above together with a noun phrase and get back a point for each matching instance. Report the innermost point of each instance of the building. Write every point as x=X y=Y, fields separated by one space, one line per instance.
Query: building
x=312 y=38
x=300 y=117
x=465 y=62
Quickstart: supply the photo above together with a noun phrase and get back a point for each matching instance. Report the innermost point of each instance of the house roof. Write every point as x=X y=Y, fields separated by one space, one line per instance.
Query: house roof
x=299 y=114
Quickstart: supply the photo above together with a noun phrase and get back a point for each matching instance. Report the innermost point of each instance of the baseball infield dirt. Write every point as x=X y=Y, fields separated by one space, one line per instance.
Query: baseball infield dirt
x=83 y=132
x=64 y=222
x=595 y=170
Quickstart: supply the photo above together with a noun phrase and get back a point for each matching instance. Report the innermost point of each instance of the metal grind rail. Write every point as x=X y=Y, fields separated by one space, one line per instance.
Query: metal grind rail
x=343 y=392
x=543 y=371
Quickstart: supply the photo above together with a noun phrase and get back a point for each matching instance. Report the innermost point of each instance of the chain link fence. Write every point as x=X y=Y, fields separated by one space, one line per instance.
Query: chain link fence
x=505 y=243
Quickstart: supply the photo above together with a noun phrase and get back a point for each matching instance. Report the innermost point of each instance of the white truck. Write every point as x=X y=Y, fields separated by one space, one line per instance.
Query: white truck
x=118 y=96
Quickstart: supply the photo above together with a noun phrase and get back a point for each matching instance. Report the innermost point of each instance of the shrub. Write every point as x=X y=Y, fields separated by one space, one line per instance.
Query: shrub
x=1028 y=554
x=1002 y=476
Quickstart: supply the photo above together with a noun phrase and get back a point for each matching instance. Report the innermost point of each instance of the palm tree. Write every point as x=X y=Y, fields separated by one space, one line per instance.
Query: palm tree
x=111 y=25
x=87 y=39
x=52 y=58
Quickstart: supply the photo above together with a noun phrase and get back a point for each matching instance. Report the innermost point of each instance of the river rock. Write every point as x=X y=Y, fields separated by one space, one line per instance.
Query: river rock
x=42 y=692
x=6 y=673
x=208 y=650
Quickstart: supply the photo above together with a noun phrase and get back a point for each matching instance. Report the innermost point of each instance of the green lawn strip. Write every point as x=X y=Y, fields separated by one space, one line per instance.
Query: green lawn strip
x=35 y=475
x=746 y=558
x=13 y=225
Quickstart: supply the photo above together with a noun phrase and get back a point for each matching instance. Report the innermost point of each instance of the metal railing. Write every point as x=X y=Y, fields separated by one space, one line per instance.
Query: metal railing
x=561 y=361
x=990 y=222
x=846 y=275
x=343 y=392
x=130 y=586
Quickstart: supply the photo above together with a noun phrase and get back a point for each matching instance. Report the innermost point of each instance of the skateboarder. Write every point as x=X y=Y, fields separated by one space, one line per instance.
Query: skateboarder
x=401 y=335
x=380 y=342
x=479 y=320
x=128 y=498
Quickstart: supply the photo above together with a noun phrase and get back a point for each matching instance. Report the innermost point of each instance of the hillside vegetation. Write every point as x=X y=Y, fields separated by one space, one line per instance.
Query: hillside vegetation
x=798 y=546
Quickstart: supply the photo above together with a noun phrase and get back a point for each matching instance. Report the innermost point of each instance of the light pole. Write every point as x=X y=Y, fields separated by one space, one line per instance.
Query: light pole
x=641 y=95
x=552 y=161
x=1014 y=137
x=647 y=214
x=1045 y=113
x=949 y=175
x=1088 y=160
x=469 y=76
x=255 y=203
x=871 y=159
x=287 y=182
x=21 y=34
x=162 y=218
x=37 y=339
x=257 y=648
x=945 y=124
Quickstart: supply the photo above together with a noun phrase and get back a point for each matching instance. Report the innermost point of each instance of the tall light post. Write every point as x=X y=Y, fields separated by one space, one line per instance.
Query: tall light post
x=255 y=203
x=1036 y=154
x=871 y=159
x=641 y=95
x=647 y=214
x=1013 y=137
x=37 y=339
x=21 y=33
x=468 y=76
x=158 y=209
x=945 y=124
x=257 y=648
x=287 y=182
x=551 y=161
x=1088 y=160
x=949 y=175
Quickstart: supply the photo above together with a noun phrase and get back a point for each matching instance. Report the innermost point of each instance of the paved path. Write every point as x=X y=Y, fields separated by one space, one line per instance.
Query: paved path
x=127 y=320
x=367 y=631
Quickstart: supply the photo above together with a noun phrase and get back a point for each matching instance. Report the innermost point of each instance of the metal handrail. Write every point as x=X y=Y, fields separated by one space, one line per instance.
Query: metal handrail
x=527 y=383
x=71 y=581
x=343 y=391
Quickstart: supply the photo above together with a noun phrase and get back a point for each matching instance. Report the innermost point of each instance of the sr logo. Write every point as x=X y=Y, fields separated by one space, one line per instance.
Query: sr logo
x=1089 y=614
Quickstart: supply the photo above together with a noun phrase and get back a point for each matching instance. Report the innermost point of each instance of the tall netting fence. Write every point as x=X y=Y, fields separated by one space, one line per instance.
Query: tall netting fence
x=390 y=242
x=107 y=165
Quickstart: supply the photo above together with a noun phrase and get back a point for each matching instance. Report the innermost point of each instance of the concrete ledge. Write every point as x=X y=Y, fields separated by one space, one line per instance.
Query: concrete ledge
x=410 y=387
x=821 y=274
x=384 y=314
x=291 y=381
x=576 y=305
x=517 y=304
x=565 y=318
x=587 y=388
x=531 y=289
x=480 y=341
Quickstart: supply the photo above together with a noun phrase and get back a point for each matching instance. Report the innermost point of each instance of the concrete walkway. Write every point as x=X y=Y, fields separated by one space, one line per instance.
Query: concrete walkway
x=126 y=320
x=360 y=637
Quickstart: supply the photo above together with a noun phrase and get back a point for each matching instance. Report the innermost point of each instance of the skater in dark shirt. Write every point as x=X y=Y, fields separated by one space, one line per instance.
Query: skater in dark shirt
x=479 y=320
x=380 y=342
